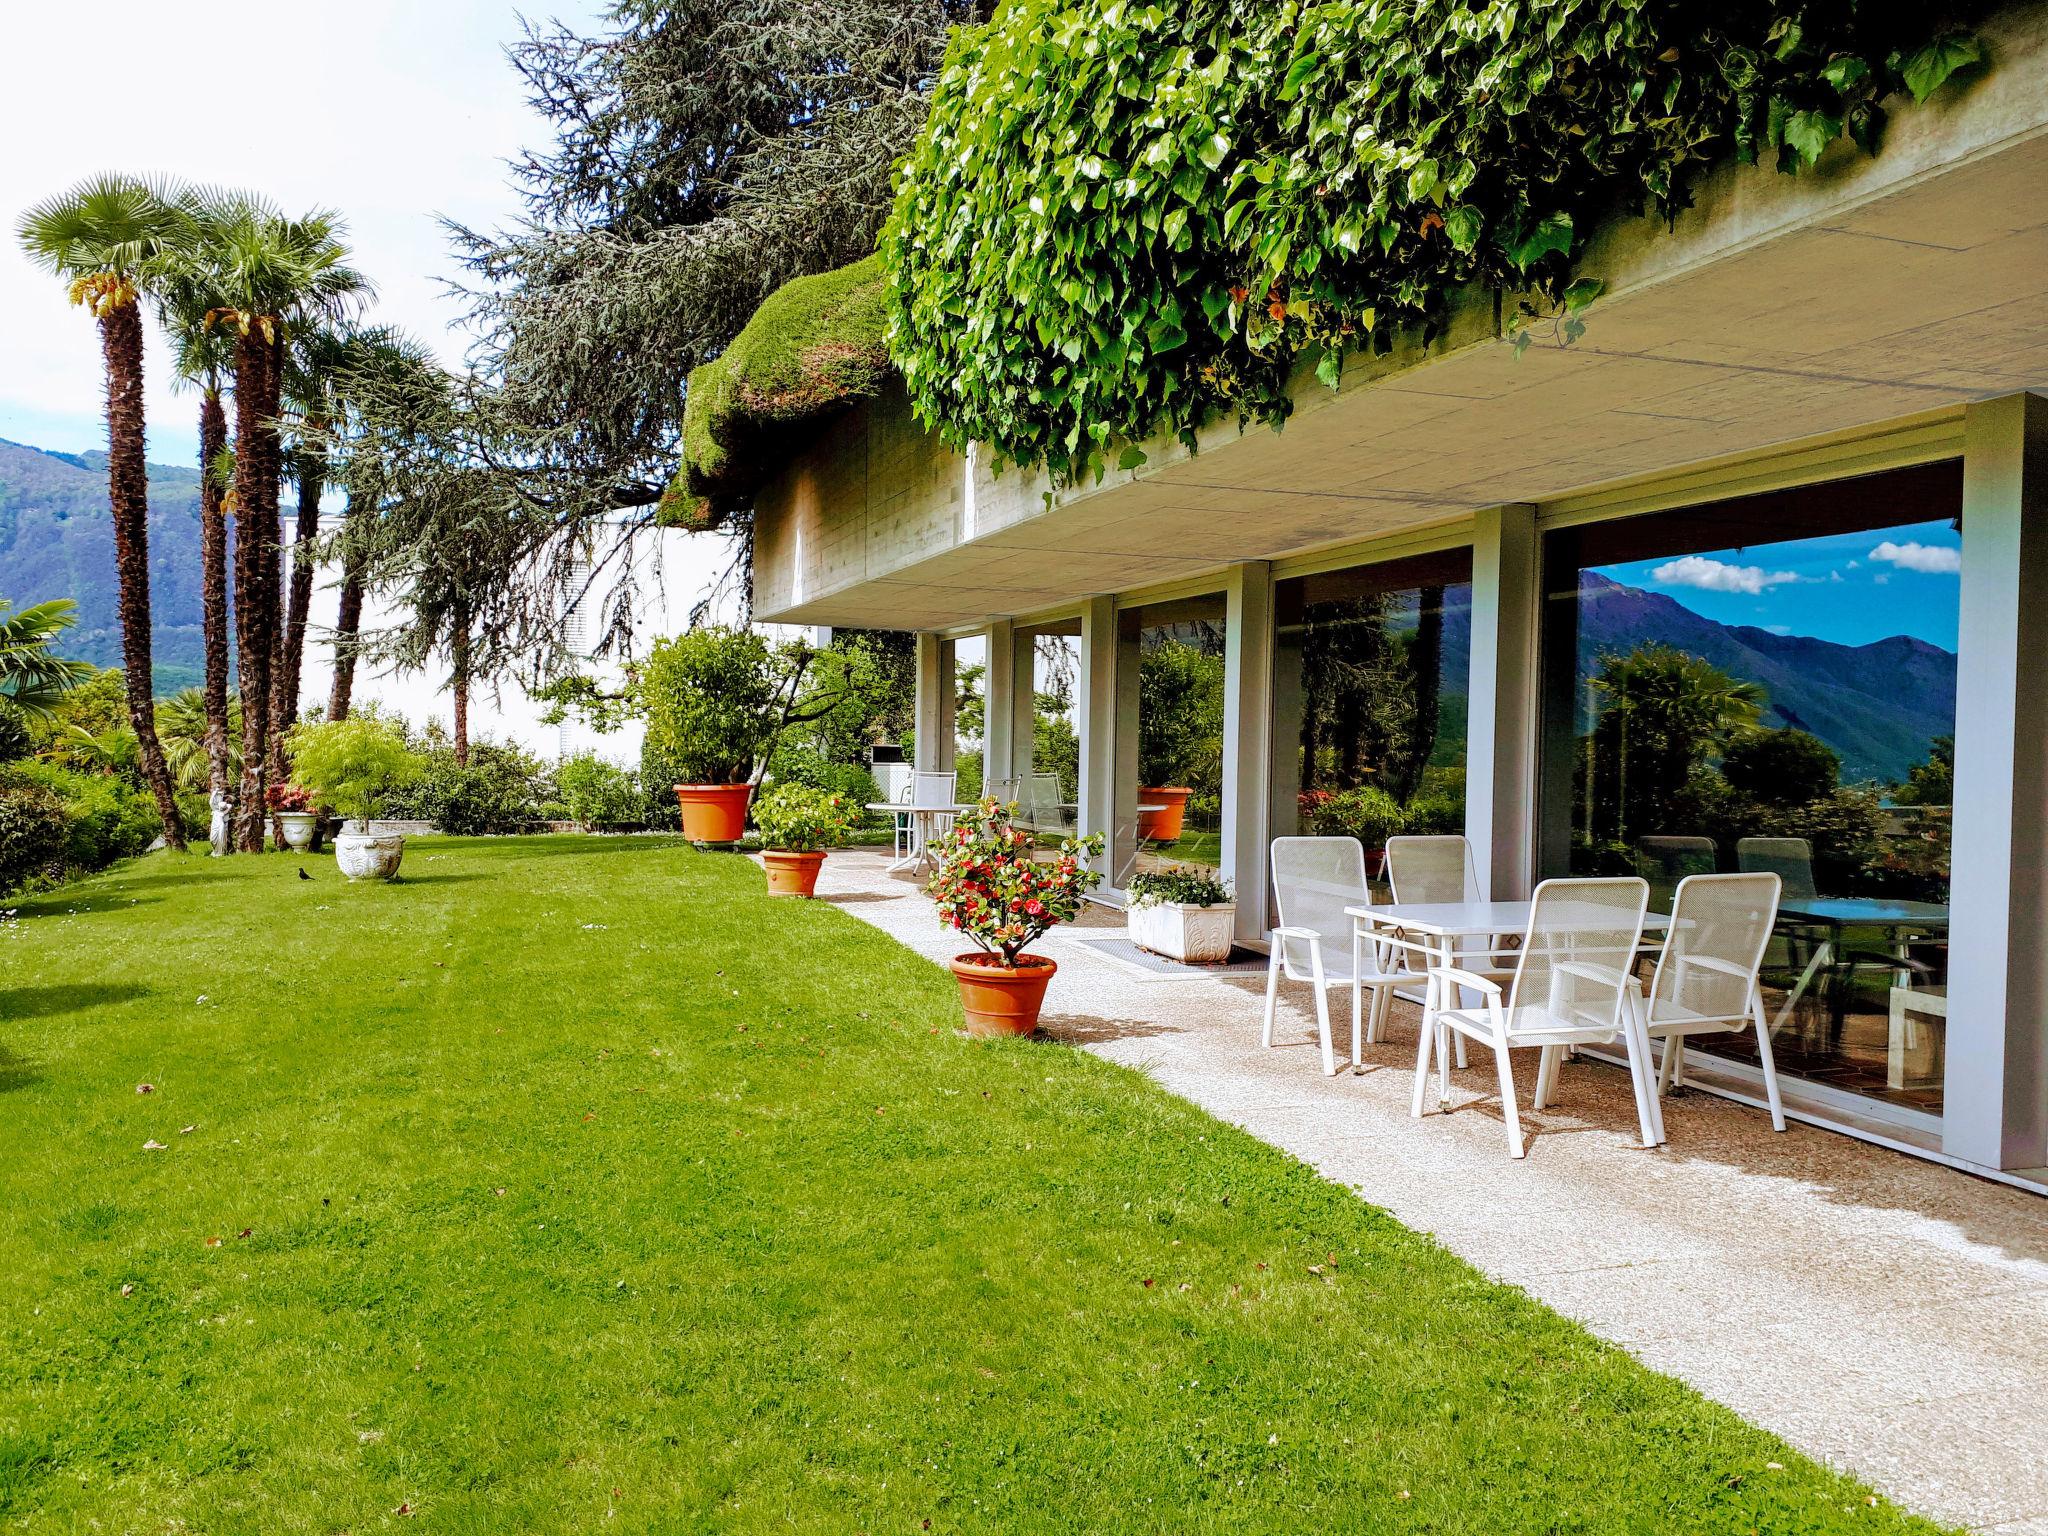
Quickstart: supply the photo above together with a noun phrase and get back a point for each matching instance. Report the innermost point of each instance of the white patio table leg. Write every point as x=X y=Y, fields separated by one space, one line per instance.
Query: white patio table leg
x=1422 y=1045
x=1357 y=990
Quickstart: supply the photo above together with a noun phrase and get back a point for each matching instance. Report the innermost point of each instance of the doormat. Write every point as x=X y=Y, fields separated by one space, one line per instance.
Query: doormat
x=1118 y=947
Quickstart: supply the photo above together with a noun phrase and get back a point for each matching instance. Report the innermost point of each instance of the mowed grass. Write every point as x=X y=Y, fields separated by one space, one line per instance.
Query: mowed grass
x=573 y=1184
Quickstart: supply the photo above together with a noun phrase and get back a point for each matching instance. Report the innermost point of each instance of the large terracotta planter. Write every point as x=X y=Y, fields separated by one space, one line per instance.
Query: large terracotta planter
x=1162 y=825
x=792 y=874
x=1000 y=1001
x=714 y=813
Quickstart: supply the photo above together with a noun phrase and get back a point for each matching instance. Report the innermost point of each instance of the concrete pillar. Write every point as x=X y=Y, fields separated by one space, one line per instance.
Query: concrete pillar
x=1996 y=1102
x=1123 y=782
x=1247 y=738
x=1023 y=704
x=934 y=703
x=1097 y=720
x=999 y=706
x=1500 y=774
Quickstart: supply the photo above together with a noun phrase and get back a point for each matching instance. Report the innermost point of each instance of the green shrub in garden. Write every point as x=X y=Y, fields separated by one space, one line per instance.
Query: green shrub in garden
x=1127 y=220
x=1368 y=814
x=33 y=831
x=597 y=793
x=794 y=818
x=106 y=817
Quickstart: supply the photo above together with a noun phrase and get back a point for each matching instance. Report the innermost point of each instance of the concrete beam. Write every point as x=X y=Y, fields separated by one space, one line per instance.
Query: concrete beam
x=1996 y=1101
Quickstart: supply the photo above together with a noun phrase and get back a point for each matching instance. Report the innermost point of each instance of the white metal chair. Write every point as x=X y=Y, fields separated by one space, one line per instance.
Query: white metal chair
x=932 y=798
x=1314 y=880
x=1437 y=869
x=1572 y=986
x=1706 y=977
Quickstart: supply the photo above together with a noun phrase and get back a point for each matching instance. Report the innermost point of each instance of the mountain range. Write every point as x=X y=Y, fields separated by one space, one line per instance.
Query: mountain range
x=57 y=540
x=1878 y=705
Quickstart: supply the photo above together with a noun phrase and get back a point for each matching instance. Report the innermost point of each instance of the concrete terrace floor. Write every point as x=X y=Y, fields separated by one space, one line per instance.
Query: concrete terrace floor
x=1885 y=1314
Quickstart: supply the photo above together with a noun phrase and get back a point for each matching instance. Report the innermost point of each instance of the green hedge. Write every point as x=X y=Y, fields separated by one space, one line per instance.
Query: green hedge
x=1124 y=220
x=814 y=345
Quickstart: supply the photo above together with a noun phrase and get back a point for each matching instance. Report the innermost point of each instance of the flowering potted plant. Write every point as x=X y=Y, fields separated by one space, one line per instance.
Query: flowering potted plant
x=1184 y=914
x=292 y=805
x=990 y=888
x=1367 y=813
x=797 y=824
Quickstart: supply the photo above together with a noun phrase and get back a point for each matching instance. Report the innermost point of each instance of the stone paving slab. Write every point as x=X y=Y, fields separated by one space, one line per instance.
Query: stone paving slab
x=1887 y=1315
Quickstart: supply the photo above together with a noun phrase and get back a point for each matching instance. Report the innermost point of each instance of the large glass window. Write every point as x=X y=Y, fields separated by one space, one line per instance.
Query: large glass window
x=1370 y=687
x=1770 y=684
x=1170 y=741
x=1048 y=740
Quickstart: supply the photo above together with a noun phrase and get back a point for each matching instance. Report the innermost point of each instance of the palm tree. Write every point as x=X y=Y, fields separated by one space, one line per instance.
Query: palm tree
x=32 y=676
x=185 y=724
x=271 y=274
x=106 y=236
x=205 y=360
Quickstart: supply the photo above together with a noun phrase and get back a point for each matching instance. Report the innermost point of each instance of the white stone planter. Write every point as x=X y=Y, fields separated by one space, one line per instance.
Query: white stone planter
x=1192 y=935
x=363 y=857
x=298 y=828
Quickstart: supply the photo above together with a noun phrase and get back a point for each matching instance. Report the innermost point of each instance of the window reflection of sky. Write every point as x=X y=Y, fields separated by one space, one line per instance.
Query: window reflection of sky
x=1848 y=588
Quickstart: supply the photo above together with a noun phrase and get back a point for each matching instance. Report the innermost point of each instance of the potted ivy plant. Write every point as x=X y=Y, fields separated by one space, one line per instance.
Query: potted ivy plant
x=990 y=887
x=1184 y=913
x=797 y=824
x=716 y=699
x=292 y=805
x=351 y=765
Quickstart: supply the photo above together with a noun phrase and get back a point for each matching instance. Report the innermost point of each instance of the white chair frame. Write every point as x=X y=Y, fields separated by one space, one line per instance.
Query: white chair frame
x=1379 y=979
x=1497 y=1024
x=1673 y=1033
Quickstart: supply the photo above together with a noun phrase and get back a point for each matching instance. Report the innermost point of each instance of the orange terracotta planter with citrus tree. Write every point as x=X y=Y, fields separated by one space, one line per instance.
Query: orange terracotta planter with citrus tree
x=1164 y=824
x=714 y=813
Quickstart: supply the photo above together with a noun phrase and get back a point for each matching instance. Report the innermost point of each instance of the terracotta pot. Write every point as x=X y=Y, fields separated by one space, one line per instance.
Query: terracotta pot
x=792 y=874
x=714 y=813
x=1162 y=825
x=999 y=1001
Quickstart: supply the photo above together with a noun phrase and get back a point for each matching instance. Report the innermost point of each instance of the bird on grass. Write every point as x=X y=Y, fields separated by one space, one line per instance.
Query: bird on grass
x=302 y=873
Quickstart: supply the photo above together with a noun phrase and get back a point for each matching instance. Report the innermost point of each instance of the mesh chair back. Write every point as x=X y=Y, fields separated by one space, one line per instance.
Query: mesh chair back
x=1314 y=880
x=1664 y=861
x=1789 y=858
x=1719 y=929
x=930 y=790
x=1004 y=790
x=1576 y=957
x=1038 y=799
x=1431 y=870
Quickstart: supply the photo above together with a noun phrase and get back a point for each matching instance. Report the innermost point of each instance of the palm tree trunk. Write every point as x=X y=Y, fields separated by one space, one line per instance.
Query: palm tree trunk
x=213 y=598
x=311 y=482
x=347 y=624
x=458 y=649
x=128 y=491
x=254 y=465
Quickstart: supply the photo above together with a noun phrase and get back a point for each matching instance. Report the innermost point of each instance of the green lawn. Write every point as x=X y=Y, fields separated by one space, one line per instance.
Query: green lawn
x=572 y=1181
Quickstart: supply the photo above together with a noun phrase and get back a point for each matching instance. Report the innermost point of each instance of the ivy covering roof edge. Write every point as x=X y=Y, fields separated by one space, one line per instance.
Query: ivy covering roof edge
x=814 y=346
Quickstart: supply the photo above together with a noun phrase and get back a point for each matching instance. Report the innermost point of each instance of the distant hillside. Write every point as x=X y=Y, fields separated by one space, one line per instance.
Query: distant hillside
x=1877 y=705
x=57 y=540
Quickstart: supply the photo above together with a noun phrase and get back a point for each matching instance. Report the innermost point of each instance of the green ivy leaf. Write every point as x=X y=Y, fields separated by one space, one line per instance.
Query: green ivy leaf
x=1928 y=70
x=1551 y=234
x=1810 y=133
x=1133 y=457
x=1462 y=224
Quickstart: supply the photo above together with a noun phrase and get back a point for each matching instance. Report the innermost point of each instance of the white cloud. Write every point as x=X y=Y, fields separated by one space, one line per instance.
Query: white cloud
x=1719 y=576
x=1929 y=559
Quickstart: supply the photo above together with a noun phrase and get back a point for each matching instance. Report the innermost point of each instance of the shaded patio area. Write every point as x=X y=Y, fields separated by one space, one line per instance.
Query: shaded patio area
x=1886 y=1314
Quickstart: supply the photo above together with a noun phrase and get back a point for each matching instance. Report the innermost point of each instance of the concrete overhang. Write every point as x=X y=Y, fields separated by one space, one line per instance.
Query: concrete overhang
x=1779 y=310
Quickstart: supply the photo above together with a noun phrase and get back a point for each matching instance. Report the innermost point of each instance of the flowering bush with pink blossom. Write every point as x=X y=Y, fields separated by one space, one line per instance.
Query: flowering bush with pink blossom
x=991 y=888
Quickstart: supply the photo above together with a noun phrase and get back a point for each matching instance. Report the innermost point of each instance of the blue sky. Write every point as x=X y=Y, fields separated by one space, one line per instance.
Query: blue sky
x=390 y=112
x=1849 y=588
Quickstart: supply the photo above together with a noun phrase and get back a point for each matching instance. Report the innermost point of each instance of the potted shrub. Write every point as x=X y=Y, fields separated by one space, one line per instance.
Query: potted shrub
x=1184 y=914
x=989 y=887
x=292 y=805
x=797 y=823
x=1180 y=733
x=716 y=699
x=351 y=765
x=1371 y=815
